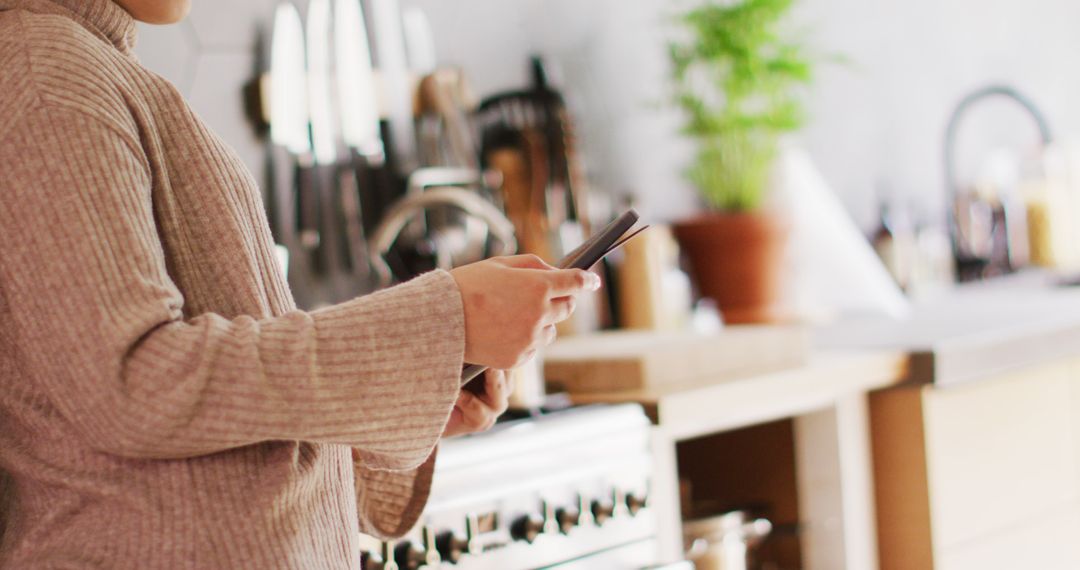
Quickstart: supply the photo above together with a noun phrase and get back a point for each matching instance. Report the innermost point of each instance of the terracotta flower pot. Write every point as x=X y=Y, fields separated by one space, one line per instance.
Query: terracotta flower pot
x=737 y=260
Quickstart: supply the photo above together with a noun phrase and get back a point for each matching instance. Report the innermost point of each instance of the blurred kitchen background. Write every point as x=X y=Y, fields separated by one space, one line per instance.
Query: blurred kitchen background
x=876 y=120
x=885 y=374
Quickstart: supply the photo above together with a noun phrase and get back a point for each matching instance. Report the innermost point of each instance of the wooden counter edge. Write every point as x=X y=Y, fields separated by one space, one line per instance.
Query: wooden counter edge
x=690 y=411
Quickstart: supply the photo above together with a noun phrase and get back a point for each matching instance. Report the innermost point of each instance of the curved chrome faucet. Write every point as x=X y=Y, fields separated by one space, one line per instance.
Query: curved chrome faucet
x=966 y=260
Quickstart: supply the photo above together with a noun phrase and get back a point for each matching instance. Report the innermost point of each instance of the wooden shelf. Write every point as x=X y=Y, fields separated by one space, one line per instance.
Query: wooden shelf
x=823 y=403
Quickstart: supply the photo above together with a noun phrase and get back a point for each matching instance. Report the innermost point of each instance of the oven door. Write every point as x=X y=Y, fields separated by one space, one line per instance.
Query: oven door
x=625 y=557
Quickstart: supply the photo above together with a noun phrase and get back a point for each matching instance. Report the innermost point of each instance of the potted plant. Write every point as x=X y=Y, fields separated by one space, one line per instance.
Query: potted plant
x=737 y=81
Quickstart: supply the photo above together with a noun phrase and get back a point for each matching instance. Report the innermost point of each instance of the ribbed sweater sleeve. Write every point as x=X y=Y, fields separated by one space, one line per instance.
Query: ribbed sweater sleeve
x=100 y=324
x=390 y=502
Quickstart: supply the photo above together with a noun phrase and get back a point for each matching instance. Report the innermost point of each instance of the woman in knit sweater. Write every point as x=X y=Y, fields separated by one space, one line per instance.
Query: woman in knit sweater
x=163 y=403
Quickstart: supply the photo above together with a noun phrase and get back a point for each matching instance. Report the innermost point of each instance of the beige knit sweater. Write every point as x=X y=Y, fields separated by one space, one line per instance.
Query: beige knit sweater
x=163 y=404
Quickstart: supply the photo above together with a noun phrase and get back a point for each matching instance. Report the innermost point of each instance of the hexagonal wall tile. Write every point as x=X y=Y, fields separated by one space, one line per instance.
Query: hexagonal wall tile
x=230 y=24
x=169 y=51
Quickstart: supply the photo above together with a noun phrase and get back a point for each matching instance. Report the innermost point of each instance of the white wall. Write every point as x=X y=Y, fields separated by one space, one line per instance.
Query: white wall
x=877 y=121
x=884 y=118
x=609 y=58
x=210 y=56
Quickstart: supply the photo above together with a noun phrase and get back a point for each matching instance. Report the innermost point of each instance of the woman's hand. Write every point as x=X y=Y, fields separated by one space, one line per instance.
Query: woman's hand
x=478 y=412
x=512 y=305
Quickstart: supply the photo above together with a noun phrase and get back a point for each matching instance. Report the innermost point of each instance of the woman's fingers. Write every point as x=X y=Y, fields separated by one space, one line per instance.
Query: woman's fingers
x=561 y=309
x=497 y=391
x=479 y=412
x=508 y=301
x=456 y=424
x=474 y=412
x=549 y=334
x=495 y=381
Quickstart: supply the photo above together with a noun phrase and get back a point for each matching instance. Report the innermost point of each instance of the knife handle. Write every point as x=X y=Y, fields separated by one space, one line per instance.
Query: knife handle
x=376 y=187
x=307 y=207
x=368 y=200
x=309 y=219
x=355 y=243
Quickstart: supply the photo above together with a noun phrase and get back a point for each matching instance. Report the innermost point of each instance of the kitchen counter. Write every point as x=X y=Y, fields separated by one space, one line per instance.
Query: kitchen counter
x=993 y=404
x=691 y=411
x=905 y=432
x=975 y=331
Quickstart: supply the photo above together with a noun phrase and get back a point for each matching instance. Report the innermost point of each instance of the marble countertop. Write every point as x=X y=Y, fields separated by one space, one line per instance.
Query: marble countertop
x=974 y=331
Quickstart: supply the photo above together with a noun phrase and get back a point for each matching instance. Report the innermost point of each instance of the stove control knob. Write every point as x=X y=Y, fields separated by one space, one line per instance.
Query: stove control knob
x=371 y=561
x=635 y=502
x=451 y=546
x=387 y=559
x=602 y=509
x=567 y=519
x=527 y=528
x=408 y=557
x=431 y=551
x=551 y=522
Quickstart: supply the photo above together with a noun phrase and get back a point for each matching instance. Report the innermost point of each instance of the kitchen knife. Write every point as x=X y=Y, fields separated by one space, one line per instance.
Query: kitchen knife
x=289 y=133
x=356 y=81
x=584 y=257
x=319 y=94
x=443 y=95
x=360 y=131
x=286 y=65
x=418 y=41
x=514 y=161
x=324 y=144
x=307 y=196
x=288 y=100
x=397 y=87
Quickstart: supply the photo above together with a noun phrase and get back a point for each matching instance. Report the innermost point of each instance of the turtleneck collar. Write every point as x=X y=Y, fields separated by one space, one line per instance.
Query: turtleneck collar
x=104 y=18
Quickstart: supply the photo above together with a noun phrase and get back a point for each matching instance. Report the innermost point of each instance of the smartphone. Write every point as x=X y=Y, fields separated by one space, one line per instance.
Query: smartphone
x=583 y=257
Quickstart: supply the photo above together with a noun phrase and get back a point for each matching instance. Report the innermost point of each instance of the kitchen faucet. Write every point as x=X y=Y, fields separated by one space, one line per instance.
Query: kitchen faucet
x=987 y=238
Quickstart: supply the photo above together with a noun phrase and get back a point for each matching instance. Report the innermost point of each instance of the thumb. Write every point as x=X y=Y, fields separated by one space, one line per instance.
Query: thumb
x=566 y=282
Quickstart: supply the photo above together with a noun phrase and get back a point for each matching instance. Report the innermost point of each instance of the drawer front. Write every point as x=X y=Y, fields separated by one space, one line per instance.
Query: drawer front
x=1001 y=453
x=1047 y=543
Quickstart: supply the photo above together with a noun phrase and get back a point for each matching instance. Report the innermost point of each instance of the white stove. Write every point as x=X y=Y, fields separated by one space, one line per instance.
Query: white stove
x=567 y=490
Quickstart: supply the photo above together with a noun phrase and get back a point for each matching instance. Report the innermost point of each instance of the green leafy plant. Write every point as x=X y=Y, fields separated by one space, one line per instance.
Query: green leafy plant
x=736 y=79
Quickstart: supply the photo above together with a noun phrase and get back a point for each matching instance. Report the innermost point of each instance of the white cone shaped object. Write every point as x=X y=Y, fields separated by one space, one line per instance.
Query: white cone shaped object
x=836 y=272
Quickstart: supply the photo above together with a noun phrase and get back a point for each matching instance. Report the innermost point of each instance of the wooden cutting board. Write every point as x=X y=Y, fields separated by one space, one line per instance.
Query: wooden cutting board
x=629 y=360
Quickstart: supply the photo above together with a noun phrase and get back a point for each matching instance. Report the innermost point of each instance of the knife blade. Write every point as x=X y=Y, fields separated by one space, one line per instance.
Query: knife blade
x=357 y=96
x=356 y=81
x=397 y=90
x=323 y=211
x=319 y=93
x=288 y=100
x=290 y=137
x=418 y=41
